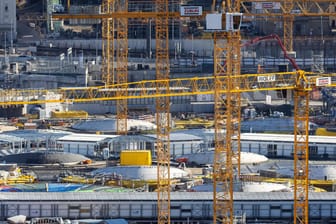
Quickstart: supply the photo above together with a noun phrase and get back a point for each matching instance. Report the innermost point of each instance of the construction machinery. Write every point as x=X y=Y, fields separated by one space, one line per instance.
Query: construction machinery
x=288 y=11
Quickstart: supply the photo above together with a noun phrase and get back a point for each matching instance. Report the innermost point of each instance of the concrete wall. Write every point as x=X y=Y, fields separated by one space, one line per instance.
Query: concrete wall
x=109 y=107
x=200 y=47
x=8 y=17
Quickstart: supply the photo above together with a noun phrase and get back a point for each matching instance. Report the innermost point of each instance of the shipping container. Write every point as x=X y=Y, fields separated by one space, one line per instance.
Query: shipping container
x=135 y=157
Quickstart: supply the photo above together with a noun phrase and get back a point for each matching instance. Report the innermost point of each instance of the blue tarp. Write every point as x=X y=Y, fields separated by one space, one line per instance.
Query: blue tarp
x=50 y=187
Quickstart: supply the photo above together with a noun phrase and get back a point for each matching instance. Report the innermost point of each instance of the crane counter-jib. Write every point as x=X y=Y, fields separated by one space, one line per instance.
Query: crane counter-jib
x=153 y=88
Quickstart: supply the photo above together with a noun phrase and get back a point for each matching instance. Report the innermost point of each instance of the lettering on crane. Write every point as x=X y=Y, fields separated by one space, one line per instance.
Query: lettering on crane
x=267 y=5
x=323 y=81
x=268 y=78
x=191 y=10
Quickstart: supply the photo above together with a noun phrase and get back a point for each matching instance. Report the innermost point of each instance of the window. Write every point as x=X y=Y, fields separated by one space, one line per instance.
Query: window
x=255 y=210
x=313 y=150
x=6 y=8
x=272 y=150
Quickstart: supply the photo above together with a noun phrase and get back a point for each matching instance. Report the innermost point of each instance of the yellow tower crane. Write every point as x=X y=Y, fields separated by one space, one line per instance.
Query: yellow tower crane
x=162 y=111
x=227 y=110
x=301 y=133
x=121 y=67
x=107 y=69
x=120 y=25
x=111 y=73
x=289 y=10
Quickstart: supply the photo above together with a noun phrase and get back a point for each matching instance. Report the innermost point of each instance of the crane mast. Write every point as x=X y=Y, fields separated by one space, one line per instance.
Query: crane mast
x=107 y=43
x=118 y=73
x=288 y=20
x=227 y=114
x=121 y=67
x=222 y=200
x=162 y=111
x=301 y=150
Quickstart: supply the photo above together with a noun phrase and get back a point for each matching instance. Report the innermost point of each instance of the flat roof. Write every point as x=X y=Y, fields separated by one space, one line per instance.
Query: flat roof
x=285 y=138
x=85 y=138
x=152 y=196
x=32 y=134
x=179 y=137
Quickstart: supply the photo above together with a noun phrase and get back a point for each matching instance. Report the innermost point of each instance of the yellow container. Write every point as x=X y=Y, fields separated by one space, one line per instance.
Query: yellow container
x=135 y=157
x=325 y=132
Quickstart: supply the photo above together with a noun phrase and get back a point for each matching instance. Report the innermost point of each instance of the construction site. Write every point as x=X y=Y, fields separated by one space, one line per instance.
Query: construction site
x=159 y=111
